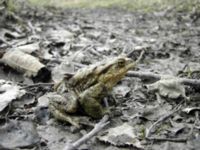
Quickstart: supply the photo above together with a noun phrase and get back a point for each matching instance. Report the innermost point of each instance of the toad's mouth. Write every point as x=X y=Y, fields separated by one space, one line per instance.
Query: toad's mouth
x=130 y=66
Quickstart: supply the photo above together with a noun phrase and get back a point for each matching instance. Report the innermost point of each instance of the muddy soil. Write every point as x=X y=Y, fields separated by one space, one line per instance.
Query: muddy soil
x=60 y=38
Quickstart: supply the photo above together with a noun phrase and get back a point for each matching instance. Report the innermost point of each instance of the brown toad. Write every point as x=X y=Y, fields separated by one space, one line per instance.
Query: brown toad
x=86 y=89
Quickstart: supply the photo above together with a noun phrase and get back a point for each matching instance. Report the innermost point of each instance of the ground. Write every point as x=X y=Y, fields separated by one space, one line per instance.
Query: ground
x=65 y=40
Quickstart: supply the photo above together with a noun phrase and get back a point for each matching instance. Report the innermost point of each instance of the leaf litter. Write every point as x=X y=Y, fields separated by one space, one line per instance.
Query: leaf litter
x=64 y=43
x=9 y=92
x=126 y=136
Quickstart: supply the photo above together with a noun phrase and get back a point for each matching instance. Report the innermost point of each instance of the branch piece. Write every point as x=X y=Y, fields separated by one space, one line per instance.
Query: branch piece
x=162 y=119
x=153 y=76
x=98 y=127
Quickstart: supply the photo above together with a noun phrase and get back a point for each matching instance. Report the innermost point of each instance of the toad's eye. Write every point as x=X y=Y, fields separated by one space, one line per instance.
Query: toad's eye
x=121 y=63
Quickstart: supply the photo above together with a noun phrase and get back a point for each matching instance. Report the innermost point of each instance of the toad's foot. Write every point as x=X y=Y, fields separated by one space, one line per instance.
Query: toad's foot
x=60 y=107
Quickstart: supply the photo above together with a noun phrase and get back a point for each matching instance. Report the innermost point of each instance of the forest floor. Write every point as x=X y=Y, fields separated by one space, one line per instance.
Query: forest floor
x=62 y=37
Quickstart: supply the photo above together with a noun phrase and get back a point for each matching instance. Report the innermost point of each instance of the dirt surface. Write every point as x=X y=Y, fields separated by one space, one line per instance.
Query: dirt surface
x=66 y=40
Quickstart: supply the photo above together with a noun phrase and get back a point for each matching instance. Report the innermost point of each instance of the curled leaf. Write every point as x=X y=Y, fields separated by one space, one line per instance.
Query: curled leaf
x=168 y=87
x=25 y=63
x=8 y=92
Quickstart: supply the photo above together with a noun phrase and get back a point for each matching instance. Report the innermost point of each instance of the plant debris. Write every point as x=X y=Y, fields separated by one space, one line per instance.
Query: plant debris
x=148 y=109
x=9 y=92
x=18 y=134
x=126 y=136
x=27 y=64
x=169 y=87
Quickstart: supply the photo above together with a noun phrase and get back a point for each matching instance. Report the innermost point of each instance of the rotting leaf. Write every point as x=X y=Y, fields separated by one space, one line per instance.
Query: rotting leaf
x=168 y=87
x=56 y=136
x=8 y=92
x=16 y=134
x=27 y=64
x=121 y=136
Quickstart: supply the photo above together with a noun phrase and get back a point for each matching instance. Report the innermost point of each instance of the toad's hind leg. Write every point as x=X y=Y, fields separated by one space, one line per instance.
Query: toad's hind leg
x=59 y=107
x=63 y=116
x=92 y=107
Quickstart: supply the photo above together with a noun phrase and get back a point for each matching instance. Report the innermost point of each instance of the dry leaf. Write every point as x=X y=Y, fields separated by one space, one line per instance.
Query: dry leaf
x=8 y=92
x=168 y=87
x=15 y=134
x=121 y=136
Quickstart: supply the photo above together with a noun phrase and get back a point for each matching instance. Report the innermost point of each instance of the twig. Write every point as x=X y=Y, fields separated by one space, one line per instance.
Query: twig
x=182 y=139
x=80 y=51
x=30 y=25
x=149 y=75
x=144 y=75
x=36 y=85
x=152 y=127
x=167 y=139
x=138 y=48
x=98 y=127
x=4 y=41
x=95 y=52
x=140 y=57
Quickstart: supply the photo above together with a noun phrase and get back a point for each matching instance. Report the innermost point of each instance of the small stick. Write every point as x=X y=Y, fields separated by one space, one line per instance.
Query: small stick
x=30 y=25
x=148 y=132
x=140 y=57
x=144 y=75
x=98 y=127
x=4 y=41
x=184 y=139
x=35 y=85
x=149 y=75
x=138 y=48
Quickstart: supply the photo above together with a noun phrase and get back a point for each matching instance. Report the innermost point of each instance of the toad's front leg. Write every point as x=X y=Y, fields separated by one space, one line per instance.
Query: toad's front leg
x=60 y=108
x=91 y=101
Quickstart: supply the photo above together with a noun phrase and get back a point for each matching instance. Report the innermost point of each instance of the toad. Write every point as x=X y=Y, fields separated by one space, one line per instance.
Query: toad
x=86 y=89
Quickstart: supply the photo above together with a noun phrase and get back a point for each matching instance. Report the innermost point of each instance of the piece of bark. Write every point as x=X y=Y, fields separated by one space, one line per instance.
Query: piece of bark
x=29 y=65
